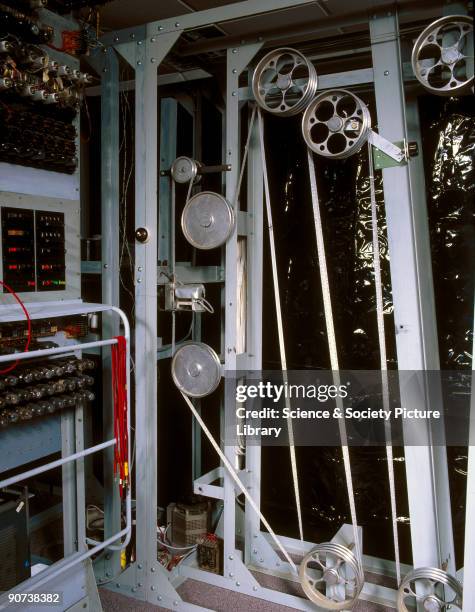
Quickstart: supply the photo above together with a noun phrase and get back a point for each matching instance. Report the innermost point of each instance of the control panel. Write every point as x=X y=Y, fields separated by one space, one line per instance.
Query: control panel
x=39 y=247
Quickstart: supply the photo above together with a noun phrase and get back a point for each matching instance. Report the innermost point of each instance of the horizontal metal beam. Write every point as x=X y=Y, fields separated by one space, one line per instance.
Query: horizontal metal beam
x=220 y=14
x=186 y=273
x=162 y=79
x=306 y=31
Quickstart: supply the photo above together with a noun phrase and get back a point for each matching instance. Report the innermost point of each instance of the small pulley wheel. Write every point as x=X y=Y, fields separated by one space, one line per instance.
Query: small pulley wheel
x=284 y=82
x=336 y=124
x=331 y=576
x=442 y=57
x=196 y=369
x=429 y=589
x=207 y=220
x=184 y=169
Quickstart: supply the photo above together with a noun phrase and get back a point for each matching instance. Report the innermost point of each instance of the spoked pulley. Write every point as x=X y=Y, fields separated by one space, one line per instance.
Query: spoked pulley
x=284 y=82
x=336 y=124
x=433 y=589
x=331 y=576
x=442 y=57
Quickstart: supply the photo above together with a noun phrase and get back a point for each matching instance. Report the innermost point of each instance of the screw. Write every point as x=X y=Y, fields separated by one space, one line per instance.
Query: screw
x=140 y=268
x=140 y=584
x=140 y=566
x=139 y=42
x=153 y=39
x=152 y=588
x=153 y=60
x=386 y=72
x=104 y=70
x=254 y=551
x=160 y=28
x=234 y=71
x=159 y=598
x=230 y=557
x=106 y=266
x=234 y=93
x=238 y=584
x=261 y=560
x=231 y=575
x=108 y=574
x=139 y=63
x=254 y=588
x=117 y=584
x=234 y=50
x=175 y=603
x=152 y=569
x=132 y=36
x=139 y=280
x=177 y=25
x=134 y=590
x=116 y=39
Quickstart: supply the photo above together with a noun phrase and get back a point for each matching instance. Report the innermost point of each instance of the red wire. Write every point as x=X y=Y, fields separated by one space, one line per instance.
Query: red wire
x=119 y=389
x=28 y=339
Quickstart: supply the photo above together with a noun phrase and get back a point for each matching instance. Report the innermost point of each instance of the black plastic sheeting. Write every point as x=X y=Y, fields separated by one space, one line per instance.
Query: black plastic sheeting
x=448 y=132
x=448 y=142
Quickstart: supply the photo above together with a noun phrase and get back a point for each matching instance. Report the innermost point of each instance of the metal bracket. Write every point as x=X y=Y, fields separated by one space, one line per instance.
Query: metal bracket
x=387 y=154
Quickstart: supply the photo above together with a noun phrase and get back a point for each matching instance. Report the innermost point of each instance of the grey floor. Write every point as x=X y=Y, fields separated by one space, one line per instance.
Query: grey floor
x=221 y=600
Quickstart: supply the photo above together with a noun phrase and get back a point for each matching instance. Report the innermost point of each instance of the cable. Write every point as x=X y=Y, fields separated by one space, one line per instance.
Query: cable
x=28 y=320
x=237 y=480
x=383 y=357
x=280 y=328
x=332 y=347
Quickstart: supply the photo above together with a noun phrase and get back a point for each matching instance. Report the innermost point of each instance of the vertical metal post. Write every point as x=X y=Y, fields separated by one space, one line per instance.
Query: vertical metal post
x=68 y=443
x=413 y=297
x=255 y=239
x=110 y=198
x=237 y=60
x=168 y=130
x=146 y=101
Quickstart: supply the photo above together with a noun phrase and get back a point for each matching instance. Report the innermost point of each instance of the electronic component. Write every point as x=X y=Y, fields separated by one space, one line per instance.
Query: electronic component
x=210 y=553
x=33 y=248
x=18 y=239
x=188 y=523
x=189 y=296
x=14 y=539
x=43 y=388
x=50 y=251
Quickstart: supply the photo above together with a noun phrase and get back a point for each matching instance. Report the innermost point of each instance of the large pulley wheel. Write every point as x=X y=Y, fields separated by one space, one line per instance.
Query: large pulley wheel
x=336 y=124
x=442 y=57
x=207 y=220
x=196 y=369
x=284 y=82
x=429 y=589
x=331 y=576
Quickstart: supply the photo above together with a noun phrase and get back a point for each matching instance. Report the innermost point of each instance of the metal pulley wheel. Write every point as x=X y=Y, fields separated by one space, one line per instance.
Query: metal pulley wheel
x=284 y=82
x=430 y=589
x=207 y=220
x=335 y=569
x=184 y=169
x=336 y=124
x=442 y=57
x=196 y=369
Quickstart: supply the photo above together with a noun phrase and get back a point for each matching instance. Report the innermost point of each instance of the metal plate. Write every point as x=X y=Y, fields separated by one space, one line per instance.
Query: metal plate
x=196 y=369
x=442 y=57
x=207 y=220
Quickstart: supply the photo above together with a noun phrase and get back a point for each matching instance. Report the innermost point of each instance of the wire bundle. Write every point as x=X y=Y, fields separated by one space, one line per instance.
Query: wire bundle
x=119 y=390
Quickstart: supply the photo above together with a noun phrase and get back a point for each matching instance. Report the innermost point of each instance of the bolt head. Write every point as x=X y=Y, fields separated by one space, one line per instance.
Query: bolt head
x=386 y=73
x=234 y=50
x=254 y=588
x=238 y=584
x=177 y=25
x=153 y=60
x=230 y=557
x=153 y=39
x=139 y=63
x=139 y=42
